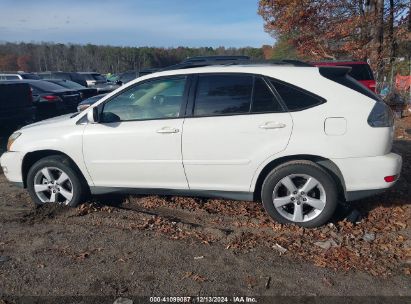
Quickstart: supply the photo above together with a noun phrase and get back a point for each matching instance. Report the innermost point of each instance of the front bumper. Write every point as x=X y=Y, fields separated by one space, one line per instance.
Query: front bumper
x=11 y=164
x=364 y=176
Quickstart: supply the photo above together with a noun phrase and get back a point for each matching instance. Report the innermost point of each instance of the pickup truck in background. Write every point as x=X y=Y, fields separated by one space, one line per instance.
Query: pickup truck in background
x=16 y=104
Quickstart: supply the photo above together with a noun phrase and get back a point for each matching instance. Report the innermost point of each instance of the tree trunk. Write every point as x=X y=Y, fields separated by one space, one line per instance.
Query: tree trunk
x=380 y=27
x=391 y=38
x=409 y=18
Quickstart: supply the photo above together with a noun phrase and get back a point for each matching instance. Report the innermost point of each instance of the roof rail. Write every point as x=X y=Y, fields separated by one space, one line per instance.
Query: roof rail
x=224 y=60
x=215 y=58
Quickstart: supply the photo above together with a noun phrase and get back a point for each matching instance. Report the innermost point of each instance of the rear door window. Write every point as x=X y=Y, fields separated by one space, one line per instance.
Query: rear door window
x=264 y=100
x=296 y=98
x=223 y=94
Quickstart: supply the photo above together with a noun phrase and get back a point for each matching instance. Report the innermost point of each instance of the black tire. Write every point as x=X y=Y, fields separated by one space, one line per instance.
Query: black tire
x=306 y=168
x=79 y=185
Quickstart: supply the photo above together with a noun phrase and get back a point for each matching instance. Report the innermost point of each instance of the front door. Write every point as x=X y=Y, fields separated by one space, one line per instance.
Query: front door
x=137 y=144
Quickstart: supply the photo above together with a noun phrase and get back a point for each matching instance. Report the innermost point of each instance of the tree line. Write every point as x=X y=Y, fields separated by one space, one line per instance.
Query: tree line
x=38 y=57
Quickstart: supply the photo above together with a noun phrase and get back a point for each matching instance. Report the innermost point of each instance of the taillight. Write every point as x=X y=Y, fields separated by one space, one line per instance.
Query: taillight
x=51 y=98
x=381 y=116
x=372 y=86
x=390 y=178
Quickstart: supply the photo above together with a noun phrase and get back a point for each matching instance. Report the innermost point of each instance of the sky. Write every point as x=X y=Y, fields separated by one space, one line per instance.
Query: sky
x=159 y=23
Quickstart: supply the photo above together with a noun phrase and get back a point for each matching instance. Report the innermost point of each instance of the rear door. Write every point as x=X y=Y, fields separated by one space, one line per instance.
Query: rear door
x=234 y=123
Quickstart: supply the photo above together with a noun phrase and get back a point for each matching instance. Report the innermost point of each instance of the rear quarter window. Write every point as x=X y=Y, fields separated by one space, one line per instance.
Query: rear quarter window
x=295 y=98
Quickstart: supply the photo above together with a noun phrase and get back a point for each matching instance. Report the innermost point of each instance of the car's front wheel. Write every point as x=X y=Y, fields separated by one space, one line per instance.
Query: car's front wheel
x=54 y=179
x=300 y=192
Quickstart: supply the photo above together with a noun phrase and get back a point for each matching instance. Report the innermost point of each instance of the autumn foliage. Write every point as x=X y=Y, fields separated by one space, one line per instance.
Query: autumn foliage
x=334 y=29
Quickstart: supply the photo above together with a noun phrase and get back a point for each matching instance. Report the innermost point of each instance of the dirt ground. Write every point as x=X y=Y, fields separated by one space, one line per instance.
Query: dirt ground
x=163 y=246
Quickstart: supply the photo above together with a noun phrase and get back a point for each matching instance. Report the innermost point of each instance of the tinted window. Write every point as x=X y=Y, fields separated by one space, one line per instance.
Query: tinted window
x=69 y=84
x=99 y=77
x=263 y=99
x=93 y=76
x=30 y=76
x=223 y=94
x=128 y=76
x=61 y=76
x=296 y=98
x=45 y=76
x=46 y=86
x=160 y=98
x=11 y=77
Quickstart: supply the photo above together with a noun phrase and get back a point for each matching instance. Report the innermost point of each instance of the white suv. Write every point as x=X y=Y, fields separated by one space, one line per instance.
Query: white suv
x=297 y=138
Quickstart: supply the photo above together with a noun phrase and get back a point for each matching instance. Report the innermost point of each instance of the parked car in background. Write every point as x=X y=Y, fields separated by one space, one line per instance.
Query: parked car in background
x=286 y=134
x=51 y=99
x=125 y=77
x=16 y=104
x=106 y=87
x=86 y=79
x=92 y=78
x=68 y=84
x=18 y=76
x=360 y=71
x=88 y=102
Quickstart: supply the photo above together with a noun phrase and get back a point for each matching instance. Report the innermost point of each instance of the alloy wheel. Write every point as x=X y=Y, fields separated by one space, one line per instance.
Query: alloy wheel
x=53 y=185
x=299 y=197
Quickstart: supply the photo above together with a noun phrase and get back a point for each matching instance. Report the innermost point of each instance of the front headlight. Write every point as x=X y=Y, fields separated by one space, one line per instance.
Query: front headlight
x=12 y=139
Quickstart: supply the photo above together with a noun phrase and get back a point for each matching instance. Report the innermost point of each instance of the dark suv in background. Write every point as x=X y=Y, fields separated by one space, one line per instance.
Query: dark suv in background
x=16 y=104
x=17 y=76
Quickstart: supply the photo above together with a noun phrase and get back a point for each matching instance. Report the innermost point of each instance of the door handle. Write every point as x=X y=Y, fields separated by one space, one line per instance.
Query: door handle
x=167 y=130
x=273 y=125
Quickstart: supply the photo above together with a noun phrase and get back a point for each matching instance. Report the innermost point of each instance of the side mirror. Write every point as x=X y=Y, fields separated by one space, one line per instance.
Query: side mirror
x=82 y=107
x=92 y=115
x=109 y=117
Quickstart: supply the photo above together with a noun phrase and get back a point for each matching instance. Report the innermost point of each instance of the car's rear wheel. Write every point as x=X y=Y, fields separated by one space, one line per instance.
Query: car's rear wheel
x=300 y=192
x=55 y=180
